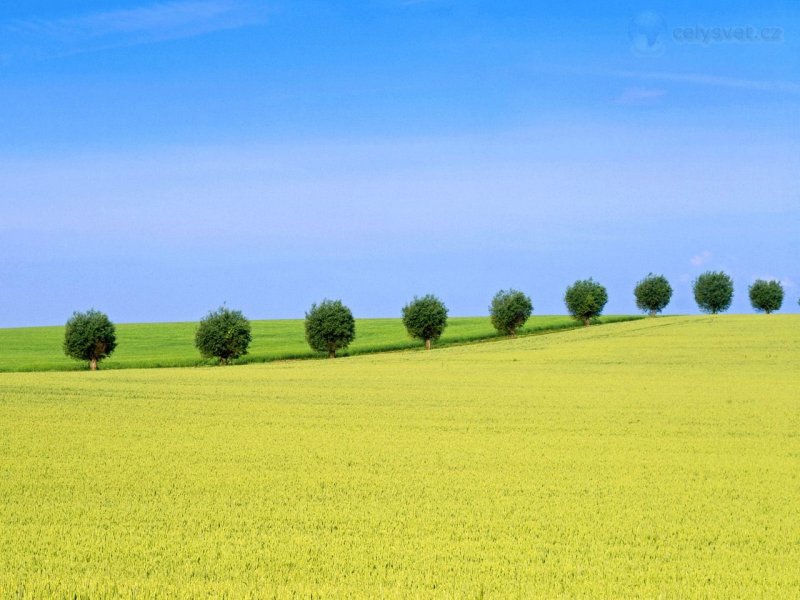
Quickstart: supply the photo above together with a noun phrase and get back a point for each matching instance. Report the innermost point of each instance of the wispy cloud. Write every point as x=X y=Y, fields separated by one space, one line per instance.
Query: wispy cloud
x=700 y=259
x=787 y=87
x=412 y=2
x=636 y=96
x=151 y=23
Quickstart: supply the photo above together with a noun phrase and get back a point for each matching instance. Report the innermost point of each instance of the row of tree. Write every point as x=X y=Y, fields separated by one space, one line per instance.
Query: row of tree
x=225 y=334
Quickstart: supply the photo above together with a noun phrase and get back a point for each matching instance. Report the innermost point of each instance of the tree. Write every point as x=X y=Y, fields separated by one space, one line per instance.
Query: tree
x=330 y=327
x=509 y=311
x=89 y=336
x=653 y=293
x=713 y=292
x=223 y=334
x=585 y=300
x=425 y=318
x=766 y=296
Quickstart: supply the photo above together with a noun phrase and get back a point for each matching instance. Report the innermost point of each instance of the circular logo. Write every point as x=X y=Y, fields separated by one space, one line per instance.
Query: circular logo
x=647 y=32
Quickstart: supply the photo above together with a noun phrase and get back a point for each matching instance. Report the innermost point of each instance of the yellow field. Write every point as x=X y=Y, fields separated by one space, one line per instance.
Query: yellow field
x=657 y=458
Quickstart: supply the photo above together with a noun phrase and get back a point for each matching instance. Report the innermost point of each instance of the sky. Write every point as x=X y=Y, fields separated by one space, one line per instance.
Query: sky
x=159 y=158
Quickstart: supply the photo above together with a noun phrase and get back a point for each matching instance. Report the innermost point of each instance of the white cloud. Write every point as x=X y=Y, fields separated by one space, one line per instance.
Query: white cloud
x=640 y=96
x=126 y=27
x=700 y=259
x=531 y=182
x=788 y=87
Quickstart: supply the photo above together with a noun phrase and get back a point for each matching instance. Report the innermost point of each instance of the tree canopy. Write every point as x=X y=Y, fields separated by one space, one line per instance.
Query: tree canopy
x=89 y=336
x=766 y=296
x=330 y=327
x=585 y=300
x=713 y=292
x=509 y=311
x=653 y=293
x=223 y=334
x=425 y=318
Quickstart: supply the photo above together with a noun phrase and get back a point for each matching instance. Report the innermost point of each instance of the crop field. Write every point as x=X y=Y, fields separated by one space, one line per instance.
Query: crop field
x=653 y=458
x=144 y=345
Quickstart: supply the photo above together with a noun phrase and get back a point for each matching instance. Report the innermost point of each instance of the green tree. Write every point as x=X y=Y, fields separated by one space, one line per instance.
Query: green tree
x=585 y=300
x=425 y=318
x=330 y=327
x=766 y=296
x=89 y=336
x=510 y=309
x=713 y=292
x=653 y=293
x=223 y=334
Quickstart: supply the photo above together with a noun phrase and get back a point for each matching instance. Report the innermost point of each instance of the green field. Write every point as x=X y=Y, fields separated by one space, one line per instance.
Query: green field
x=144 y=345
x=655 y=458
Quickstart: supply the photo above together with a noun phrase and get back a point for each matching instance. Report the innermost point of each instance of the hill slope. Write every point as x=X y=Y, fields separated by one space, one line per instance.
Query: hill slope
x=643 y=459
x=172 y=344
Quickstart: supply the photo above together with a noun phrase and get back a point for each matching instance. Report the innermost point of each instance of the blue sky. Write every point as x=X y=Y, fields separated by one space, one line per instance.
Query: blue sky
x=160 y=158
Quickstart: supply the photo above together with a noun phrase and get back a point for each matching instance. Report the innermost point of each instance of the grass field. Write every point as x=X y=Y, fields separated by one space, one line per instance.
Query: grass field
x=172 y=344
x=656 y=458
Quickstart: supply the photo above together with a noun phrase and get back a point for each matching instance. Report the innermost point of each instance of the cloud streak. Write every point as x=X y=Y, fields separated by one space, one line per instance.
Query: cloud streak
x=786 y=87
x=640 y=96
x=38 y=37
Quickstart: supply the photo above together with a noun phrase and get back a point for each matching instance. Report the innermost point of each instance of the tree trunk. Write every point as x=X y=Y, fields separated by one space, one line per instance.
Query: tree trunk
x=332 y=353
x=428 y=344
x=653 y=313
x=586 y=321
x=513 y=333
x=93 y=364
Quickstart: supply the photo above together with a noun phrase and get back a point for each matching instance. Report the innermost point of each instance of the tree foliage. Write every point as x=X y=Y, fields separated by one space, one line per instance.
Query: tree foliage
x=425 y=318
x=330 y=327
x=509 y=310
x=713 y=292
x=89 y=336
x=653 y=293
x=585 y=300
x=766 y=296
x=223 y=334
